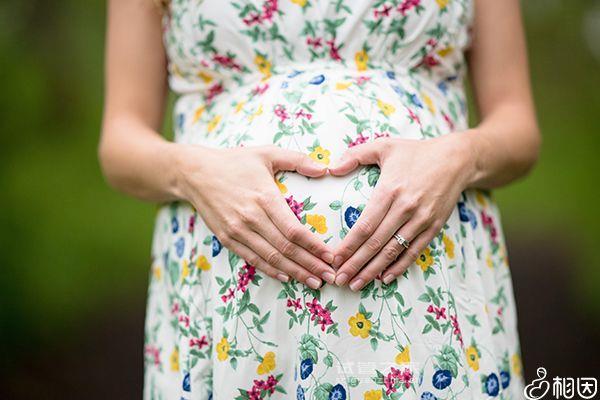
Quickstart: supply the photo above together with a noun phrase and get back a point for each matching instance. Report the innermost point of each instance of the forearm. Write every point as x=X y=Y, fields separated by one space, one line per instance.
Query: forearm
x=502 y=148
x=138 y=161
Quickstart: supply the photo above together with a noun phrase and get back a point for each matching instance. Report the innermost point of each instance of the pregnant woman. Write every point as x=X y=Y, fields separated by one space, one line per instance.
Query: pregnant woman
x=326 y=230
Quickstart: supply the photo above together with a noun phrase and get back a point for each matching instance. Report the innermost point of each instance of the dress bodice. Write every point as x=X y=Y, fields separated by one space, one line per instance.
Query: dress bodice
x=212 y=44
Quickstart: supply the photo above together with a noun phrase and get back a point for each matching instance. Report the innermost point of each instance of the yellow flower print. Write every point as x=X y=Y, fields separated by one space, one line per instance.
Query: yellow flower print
x=256 y=113
x=449 y=245
x=480 y=198
x=445 y=51
x=239 y=106
x=361 y=58
x=205 y=76
x=386 y=108
x=359 y=325
x=517 y=365
x=157 y=272
x=282 y=188
x=267 y=365
x=318 y=222
x=213 y=123
x=472 y=358
x=202 y=263
x=404 y=356
x=198 y=114
x=489 y=262
x=174 y=359
x=373 y=395
x=425 y=260
x=223 y=348
x=321 y=155
x=428 y=102
x=185 y=270
x=442 y=3
x=343 y=85
x=263 y=65
x=301 y=3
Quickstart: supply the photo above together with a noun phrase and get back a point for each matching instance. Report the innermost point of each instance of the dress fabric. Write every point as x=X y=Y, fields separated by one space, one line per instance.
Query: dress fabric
x=320 y=76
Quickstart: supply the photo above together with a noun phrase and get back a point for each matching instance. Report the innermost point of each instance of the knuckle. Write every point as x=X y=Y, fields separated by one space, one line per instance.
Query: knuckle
x=248 y=217
x=374 y=244
x=412 y=254
x=389 y=253
x=273 y=258
x=224 y=238
x=411 y=203
x=364 y=227
x=293 y=233
x=234 y=229
x=288 y=249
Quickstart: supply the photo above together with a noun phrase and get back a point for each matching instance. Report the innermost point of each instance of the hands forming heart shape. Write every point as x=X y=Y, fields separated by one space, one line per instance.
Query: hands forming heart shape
x=419 y=185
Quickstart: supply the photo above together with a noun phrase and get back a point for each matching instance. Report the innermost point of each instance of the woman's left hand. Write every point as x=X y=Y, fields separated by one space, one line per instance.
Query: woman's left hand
x=418 y=188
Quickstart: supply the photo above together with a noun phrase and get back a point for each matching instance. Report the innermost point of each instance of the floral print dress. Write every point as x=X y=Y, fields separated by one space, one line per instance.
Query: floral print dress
x=320 y=76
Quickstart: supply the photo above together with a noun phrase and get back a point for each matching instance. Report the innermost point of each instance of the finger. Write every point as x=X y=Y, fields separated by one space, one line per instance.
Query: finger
x=291 y=250
x=387 y=256
x=286 y=221
x=254 y=259
x=364 y=154
x=365 y=227
x=277 y=260
x=410 y=255
x=289 y=160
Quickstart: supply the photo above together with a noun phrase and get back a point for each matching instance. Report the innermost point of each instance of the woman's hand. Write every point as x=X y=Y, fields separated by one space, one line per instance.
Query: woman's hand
x=235 y=192
x=419 y=185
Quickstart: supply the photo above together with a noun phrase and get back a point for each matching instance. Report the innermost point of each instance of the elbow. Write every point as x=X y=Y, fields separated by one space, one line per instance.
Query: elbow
x=106 y=161
x=533 y=149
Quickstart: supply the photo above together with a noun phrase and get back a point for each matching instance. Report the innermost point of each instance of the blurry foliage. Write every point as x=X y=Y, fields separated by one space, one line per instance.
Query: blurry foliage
x=69 y=245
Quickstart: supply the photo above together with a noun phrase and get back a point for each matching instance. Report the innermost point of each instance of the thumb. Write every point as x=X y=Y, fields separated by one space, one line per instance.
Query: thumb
x=290 y=160
x=363 y=154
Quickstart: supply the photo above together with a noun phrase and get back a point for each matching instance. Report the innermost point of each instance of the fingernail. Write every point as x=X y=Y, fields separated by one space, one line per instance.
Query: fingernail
x=283 y=277
x=328 y=258
x=337 y=261
x=329 y=277
x=388 y=278
x=341 y=279
x=356 y=284
x=313 y=282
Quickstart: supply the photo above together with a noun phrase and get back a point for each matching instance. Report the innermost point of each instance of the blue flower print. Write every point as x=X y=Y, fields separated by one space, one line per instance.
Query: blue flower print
x=186 y=382
x=174 y=225
x=306 y=368
x=428 y=396
x=337 y=393
x=391 y=74
x=299 y=393
x=416 y=101
x=294 y=73
x=216 y=246
x=492 y=386
x=466 y=215
x=505 y=379
x=441 y=379
x=317 y=80
x=351 y=216
x=179 y=247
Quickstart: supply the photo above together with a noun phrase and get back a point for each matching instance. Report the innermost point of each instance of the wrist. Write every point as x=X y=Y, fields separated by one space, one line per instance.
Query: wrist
x=464 y=151
x=180 y=165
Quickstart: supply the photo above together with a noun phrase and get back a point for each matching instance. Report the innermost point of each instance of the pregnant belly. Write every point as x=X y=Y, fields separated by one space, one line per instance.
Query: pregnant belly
x=322 y=114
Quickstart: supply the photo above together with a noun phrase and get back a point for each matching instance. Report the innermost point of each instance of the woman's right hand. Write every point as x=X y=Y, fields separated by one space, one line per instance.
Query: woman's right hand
x=234 y=191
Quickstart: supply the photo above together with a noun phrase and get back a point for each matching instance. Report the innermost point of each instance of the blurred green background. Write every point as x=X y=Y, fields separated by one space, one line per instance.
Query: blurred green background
x=74 y=255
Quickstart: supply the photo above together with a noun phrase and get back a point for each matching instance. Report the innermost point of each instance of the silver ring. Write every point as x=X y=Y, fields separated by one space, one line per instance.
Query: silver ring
x=405 y=243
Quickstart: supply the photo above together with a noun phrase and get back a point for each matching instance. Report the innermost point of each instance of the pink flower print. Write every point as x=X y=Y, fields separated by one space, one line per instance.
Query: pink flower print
x=360 y=139
x=198 y=342
x=448 y=121
x=380 y=135
x=457 y=332
x=260 y=89
x=440 y=312
x=412 y=116
x=315 y=43
x=294 y=303
x=260 y=385
x=296 y=207
x=270 y=7
x=396 y=376
x=384 y=12
x=184 y=319
x=191 y=224
x=319 y=314
x=153 y=352
x=226 y=297
x=488 y=222
x=175 y=308
x=361 y=80
x=302 y=113
x=245 y=276
x=280 y=112
x=252 y=19
x=227 y=62
x=213 y=91
x=334 y=51
x=406 y=5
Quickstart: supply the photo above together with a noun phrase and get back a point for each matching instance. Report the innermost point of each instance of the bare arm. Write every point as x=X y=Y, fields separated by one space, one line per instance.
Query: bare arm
x=137 y=160
x=506 y=142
